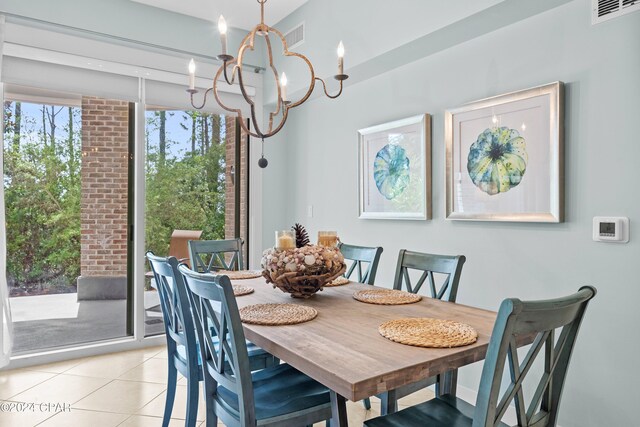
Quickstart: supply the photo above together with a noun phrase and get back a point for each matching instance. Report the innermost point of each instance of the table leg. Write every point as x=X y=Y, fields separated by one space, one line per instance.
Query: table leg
x=338 y=410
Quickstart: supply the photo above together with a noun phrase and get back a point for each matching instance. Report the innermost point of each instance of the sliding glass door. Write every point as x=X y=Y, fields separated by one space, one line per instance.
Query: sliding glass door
x=66 y=178
x=190 y=172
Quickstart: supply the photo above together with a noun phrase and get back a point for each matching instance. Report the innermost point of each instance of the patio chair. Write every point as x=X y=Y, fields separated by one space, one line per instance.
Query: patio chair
x=279 y=396
x=515 y=318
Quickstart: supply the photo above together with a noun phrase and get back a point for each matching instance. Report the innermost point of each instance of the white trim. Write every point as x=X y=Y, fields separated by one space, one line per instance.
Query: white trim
x=94 y=349
x=469 y=395
x=6 y=323
x=139 y=189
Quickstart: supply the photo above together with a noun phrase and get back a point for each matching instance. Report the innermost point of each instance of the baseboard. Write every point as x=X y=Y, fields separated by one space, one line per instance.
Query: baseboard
x=469 y=395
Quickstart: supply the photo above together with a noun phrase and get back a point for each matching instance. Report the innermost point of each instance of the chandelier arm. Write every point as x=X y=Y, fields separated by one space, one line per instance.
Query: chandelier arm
x=204 y=99
x=226 y=78
x=324 y=87
x=277 y=78
x=312 y=81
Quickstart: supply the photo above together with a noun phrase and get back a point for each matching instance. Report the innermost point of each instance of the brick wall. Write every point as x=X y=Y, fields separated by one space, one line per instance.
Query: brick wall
x=229 y=217
x=104 y=187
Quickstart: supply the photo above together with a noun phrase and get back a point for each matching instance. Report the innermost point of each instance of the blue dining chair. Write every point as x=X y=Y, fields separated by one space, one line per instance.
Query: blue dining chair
x=212 y=255
x=364 y=260
x=182 y=341
x=279 y=396
x=515 y=319
x=450 y=267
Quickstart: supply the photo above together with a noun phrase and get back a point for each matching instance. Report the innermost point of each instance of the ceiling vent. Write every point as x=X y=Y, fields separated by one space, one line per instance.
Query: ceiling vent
x=295 y=37
x=603 y=10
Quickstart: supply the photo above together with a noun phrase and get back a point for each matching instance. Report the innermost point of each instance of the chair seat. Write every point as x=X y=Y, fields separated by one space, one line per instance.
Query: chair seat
x=281 y=390
x=445 y=411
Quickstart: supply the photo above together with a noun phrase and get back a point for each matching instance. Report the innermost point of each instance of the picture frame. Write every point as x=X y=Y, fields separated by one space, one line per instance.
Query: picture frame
x=395 y=170
x=505 y=158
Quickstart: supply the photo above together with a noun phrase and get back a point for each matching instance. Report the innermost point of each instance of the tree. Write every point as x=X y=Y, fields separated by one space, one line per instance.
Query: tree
x=162 y=138
x=51 y=117
x=17 y=119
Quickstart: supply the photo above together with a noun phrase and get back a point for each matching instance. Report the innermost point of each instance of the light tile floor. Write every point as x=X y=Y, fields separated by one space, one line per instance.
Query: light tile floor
x=121 y=389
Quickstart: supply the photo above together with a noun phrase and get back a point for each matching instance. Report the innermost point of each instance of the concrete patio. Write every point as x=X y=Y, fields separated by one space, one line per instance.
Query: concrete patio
x=44 y=322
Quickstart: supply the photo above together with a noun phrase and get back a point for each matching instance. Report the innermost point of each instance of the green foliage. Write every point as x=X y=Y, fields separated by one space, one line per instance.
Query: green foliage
x=186 y=191
x=184 y=187
x=42 y=194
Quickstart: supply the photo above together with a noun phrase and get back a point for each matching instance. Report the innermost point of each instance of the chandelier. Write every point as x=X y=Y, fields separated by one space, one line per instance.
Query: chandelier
x=232 y=69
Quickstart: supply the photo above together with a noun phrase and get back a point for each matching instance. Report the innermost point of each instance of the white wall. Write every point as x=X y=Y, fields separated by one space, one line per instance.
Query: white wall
x=314 y=162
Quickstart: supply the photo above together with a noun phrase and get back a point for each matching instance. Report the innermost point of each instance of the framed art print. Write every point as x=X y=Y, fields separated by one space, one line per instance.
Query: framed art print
x=504 y=157
x=395 y=169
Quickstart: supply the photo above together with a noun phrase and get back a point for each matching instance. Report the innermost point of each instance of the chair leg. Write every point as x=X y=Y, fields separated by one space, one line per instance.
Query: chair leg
x=338 y=410
x=447 y=383
x=366 y=402
x=172 y=380
x=211 y=417
x=192 y=402
x=388 y=402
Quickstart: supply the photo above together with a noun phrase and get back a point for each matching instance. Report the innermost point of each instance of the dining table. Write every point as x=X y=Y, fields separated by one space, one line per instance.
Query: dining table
x=342 y=349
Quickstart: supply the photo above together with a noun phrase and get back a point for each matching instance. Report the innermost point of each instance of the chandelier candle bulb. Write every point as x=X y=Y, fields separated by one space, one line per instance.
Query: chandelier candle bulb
x=283 y=87
x=340 y=58
x=222 y=27
x=192 y=74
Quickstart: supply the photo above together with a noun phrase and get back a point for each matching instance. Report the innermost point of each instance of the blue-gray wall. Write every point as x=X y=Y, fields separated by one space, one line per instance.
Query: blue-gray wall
x=314 y=162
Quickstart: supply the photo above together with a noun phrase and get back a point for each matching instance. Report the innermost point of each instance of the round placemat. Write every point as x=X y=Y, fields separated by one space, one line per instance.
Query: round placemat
x=239 y=290
x=386 y=297
x=427 y=332
x=277 y=314
x=338 y=281
x=241 y=274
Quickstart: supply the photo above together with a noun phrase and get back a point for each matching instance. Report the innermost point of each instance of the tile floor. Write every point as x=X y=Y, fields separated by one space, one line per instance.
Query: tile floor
x=121 y=389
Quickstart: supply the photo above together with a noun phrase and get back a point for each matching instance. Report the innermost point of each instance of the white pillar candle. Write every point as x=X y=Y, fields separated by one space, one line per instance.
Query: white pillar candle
x=192 y=74
x=340 y=58
x=222 y=27
x=283 y=87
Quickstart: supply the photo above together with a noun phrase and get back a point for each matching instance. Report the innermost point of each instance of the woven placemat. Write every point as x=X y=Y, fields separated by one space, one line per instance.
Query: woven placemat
x=427 y=332
x=239 y=290
x=241 y=274
x=386 y=297
x=277 y=314
x=338 y=281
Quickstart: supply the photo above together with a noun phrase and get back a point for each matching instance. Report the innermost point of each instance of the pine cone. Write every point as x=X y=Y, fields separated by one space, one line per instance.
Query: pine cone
x=302 y=237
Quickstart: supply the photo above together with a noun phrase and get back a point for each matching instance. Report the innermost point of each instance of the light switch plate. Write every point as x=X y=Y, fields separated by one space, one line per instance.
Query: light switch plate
x=611 y=229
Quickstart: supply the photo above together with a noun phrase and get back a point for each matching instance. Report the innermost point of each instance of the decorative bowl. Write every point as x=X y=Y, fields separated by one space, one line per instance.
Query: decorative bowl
x=303 y=271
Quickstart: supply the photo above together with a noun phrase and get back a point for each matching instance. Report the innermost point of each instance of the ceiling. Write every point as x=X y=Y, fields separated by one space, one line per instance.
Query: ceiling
x=244 y=14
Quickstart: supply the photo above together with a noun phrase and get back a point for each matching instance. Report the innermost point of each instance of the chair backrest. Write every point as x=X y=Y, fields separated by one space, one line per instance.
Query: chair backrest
x=179 y=246
x=365 y=260
x=212 y=255
x=225 y=363
x=176 y=311
x=451 y=266
x=539 y=318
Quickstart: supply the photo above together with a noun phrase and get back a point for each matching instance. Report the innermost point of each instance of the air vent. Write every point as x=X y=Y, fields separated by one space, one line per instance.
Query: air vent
x=295 y=37
x=603 y=10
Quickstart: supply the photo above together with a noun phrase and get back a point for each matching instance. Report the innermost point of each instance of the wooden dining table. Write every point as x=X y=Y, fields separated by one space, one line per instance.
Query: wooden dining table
x=342 y=349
